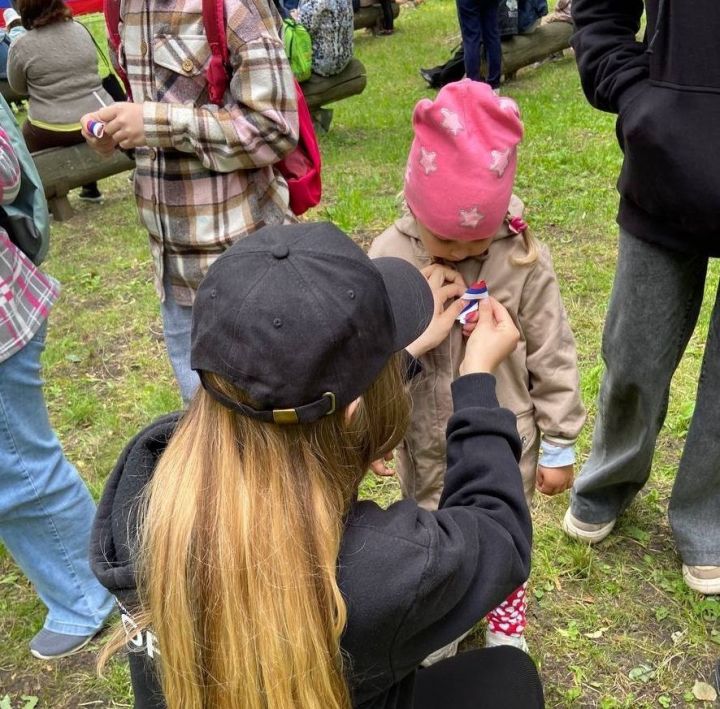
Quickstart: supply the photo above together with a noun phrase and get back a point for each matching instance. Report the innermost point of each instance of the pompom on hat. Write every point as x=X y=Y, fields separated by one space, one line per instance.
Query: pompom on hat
x=462 y=161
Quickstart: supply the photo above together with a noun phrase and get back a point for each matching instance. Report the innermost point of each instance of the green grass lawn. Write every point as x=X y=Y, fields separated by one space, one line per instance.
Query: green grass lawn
x=611 y=627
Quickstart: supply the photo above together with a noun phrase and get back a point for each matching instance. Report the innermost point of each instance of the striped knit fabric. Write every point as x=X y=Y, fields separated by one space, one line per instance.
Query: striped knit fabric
x=206 y=177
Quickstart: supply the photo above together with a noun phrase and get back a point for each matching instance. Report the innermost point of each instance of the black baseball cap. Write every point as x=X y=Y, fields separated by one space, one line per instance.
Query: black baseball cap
x=299 y=318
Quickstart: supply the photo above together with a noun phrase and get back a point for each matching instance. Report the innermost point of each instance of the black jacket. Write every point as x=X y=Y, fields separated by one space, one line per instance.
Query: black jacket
x=413 y=580
x=666 y=92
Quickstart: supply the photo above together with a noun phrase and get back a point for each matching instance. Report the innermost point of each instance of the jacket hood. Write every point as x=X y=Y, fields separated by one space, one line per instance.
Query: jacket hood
x=115 y=527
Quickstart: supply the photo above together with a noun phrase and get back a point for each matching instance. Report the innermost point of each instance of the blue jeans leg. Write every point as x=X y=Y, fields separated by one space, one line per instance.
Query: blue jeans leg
x=695 y=499
x=46 y=511
x=177 y=325
x=653 y=310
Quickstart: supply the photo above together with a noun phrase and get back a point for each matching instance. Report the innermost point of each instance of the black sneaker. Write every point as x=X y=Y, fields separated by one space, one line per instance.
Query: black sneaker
x=90 y=194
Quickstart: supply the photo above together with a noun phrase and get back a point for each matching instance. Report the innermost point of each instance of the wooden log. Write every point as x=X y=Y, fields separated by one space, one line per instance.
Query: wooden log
x=321 y=90
x=64 y=169
x=369 y=17
x=526 y=49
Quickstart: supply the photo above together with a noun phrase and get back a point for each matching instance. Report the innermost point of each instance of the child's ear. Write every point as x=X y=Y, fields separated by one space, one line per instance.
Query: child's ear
x=351 y=408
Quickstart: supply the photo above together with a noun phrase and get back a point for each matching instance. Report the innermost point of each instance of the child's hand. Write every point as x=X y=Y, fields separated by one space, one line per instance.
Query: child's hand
x=553 y=481
x=380 y=468
x=103 y=146
x=494 y=338
x=445 y=283
x=124 y=124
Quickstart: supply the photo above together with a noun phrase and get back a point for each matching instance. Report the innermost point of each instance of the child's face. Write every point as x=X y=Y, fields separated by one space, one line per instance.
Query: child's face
x=451 y=250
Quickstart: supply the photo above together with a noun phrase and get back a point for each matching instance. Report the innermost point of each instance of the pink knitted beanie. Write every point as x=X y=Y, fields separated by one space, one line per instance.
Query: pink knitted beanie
x=462 y=161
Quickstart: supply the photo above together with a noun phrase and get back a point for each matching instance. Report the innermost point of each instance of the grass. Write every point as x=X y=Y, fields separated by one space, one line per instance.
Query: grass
x=612 y=627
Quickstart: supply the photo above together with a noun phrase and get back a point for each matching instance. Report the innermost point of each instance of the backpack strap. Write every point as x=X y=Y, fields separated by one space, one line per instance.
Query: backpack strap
x=111 y=10
x=217 y=72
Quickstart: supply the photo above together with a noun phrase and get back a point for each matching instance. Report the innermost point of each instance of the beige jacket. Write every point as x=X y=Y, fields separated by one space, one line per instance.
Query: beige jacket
x=538 y=382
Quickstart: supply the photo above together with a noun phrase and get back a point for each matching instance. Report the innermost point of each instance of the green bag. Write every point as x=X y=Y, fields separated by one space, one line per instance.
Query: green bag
x=298 y=47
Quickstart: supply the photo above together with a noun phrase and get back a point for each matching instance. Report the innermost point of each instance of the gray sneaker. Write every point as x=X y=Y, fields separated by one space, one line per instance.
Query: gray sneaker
x=47 y=645
x=586 y=531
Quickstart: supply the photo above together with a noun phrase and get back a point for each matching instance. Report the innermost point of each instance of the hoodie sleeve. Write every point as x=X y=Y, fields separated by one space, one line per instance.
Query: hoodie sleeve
x=480 y=537
x=609 y=57
x=551 y=359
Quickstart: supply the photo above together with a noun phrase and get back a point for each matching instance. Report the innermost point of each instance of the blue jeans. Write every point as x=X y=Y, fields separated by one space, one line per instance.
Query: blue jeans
x=479 y=27
x=653 y=310
x=177 y=324
x=46 y=511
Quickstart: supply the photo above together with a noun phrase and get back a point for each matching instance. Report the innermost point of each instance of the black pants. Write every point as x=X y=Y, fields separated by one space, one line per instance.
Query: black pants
x=492 y=678
x=479 y=27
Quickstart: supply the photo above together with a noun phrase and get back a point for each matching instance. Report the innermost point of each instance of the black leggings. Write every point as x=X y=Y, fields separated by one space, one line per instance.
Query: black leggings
x=489 y=678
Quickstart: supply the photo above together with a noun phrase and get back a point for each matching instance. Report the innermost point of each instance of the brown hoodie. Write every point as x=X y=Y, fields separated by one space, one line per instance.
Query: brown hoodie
x=539 y=382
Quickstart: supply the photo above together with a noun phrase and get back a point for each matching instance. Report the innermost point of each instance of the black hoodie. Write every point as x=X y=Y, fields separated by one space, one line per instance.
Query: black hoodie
x=413 y=580
x=666 y=92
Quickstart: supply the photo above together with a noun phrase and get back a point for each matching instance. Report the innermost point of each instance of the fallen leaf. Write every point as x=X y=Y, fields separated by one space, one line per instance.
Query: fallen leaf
x=704 y=692
x=596 y=633
x=678 y=636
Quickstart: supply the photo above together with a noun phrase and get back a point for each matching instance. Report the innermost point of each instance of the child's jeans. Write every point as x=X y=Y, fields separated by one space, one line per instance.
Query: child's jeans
x=177 y=324
x=479 y=27
x=653 y=309
x=46 y=511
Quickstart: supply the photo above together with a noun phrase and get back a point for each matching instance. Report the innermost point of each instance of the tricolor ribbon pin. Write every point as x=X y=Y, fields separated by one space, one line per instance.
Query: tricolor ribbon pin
x=476 y=292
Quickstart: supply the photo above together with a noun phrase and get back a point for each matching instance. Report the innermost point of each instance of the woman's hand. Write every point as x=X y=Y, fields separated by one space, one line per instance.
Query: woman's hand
x=446 y=283
x=124 y=127
x=103 y=146
x=493 y=339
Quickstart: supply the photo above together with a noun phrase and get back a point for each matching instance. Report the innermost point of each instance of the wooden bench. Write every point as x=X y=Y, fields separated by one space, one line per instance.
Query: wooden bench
x=370 y=17
x=525 y=49
x=322 y=90
x=64 y=169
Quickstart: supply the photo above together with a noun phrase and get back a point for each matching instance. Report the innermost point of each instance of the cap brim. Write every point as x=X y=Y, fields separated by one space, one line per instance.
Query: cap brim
x=411 y=299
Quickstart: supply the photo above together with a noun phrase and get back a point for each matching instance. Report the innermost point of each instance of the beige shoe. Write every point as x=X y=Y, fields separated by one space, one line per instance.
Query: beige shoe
x=703 y=579
x=585 y=531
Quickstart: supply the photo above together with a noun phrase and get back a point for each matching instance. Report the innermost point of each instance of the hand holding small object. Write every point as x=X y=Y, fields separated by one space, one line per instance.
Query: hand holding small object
x=446 y=284
x=494 y=338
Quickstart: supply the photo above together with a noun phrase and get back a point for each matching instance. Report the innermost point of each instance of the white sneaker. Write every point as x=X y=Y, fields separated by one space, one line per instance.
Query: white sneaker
x=493 y=639
x=443 y=653
x=703 y=579
x=585 y=531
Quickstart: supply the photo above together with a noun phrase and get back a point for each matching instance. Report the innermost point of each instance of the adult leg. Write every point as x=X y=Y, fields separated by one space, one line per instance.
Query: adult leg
x=469 y=16
x=177 y=324
x=388 y=21
x=695 y=500
x=653 y=309
x=492 y=678
x=491 y=41
x=46 y=511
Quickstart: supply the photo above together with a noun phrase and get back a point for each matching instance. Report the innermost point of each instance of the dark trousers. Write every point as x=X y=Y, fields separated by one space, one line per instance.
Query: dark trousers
x=489 y=678
x=479 y=27
x=387 y=14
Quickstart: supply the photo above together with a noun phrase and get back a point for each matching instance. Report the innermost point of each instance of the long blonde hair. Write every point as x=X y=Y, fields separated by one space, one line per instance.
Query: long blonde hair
x=239 y=537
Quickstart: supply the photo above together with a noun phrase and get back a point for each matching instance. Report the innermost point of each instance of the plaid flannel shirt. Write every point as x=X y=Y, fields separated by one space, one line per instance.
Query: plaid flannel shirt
x=26 y=293
x=207 y=176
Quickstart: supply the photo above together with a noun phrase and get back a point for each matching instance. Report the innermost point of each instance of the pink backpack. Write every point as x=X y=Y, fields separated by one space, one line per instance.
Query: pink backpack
x=301 y=168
